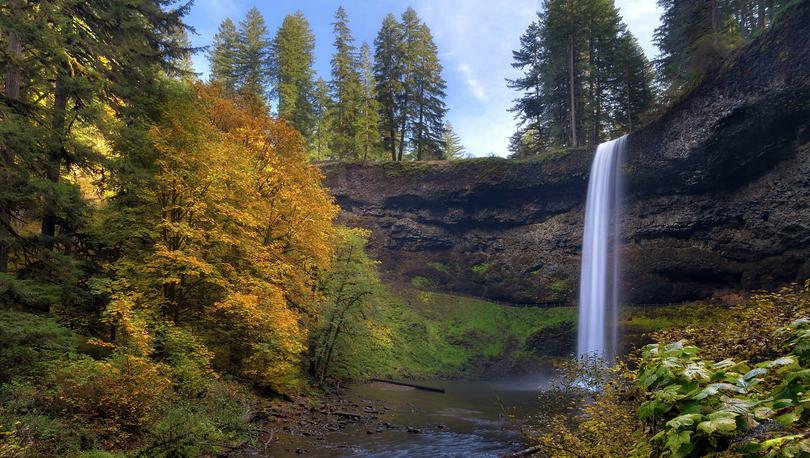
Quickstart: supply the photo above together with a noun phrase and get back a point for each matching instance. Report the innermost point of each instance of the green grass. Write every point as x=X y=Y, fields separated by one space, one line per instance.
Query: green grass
x=439 y=267
x=443 y=335
x=422 y=282
x=482 y=268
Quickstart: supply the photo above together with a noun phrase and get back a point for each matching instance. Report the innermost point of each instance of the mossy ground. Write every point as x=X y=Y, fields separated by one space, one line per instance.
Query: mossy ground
x=421 y=334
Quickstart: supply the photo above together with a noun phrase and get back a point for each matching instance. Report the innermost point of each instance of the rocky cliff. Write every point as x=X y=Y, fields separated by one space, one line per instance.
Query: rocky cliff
x=718 y=197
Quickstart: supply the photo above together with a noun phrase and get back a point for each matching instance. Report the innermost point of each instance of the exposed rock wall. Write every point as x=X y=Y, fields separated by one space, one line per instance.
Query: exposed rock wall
x=718 y=197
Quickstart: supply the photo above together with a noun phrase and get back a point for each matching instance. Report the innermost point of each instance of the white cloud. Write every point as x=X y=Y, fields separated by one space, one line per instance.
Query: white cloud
x=475 y=86
x=476 y=39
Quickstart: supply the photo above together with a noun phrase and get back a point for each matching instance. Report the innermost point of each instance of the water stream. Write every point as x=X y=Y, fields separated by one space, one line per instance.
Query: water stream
x=599 y=280
x=469 y=420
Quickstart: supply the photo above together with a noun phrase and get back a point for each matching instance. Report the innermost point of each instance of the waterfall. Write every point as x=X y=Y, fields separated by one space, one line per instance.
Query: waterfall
x=599 y=279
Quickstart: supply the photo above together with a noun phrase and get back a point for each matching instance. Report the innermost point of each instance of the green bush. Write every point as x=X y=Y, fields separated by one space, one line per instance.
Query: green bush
x=28 y=340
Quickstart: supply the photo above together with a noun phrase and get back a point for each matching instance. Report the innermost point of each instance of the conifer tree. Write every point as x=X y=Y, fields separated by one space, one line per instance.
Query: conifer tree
x=388 y=76
x=322 y=129
x=223 y=56
x=584 y=77
x=345 y=88
x=428 y=96
x=292 y=73
x=367 y=122
x=409 y=54
x=451 y=142
x=253 y=72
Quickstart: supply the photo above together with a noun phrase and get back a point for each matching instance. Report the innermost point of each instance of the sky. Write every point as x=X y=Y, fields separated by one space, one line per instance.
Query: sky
x=475 y=40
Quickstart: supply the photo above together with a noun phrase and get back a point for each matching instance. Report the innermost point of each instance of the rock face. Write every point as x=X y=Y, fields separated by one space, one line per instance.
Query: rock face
x=718 y=197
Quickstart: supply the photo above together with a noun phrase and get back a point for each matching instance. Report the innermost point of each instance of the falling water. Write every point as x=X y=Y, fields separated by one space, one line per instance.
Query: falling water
x=599 y=280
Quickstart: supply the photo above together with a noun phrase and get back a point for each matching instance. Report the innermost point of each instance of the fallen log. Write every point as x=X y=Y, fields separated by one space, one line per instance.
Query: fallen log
x=351 y=415
x=412 y=385
x=525 y=452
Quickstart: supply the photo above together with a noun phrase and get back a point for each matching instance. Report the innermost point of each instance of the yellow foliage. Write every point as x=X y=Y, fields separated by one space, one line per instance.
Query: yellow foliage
x=240 y=228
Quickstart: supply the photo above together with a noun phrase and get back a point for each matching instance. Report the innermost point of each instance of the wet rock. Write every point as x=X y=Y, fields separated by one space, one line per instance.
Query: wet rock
x=717 y=197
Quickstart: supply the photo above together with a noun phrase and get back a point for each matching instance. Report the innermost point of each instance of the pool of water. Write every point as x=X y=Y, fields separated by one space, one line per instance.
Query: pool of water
x=471 y=419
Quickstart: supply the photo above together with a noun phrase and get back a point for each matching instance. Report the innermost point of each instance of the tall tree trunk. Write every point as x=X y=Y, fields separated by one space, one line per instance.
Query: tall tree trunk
x=12 y=89
x=573 y=109
x=629 y=112
x=393 y=132
x=761 y=14
x=420 y=128
x=715 y=17
x=403 y=127
x=55 y=155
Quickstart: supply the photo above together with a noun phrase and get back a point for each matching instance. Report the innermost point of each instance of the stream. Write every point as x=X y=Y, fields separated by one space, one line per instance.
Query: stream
x=469 y=420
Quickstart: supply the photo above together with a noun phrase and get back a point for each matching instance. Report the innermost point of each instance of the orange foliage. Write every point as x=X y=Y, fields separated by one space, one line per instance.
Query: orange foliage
x=240 y=226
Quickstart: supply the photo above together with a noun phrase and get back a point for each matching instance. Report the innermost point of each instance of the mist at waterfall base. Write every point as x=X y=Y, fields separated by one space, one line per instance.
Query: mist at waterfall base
x=599 y=278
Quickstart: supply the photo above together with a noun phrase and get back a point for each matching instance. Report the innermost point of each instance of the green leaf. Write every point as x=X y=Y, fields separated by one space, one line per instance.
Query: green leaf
x=680 y=443
x=684 y=420
x=719 y=422
x=715 y=388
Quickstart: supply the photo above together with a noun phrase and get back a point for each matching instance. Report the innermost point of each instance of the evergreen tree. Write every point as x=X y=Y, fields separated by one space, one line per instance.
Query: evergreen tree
x=584 y=77
x=367 y=122
x=695 y=36
x=322 y=131
x=453 y=148
x=345 y=89
x=633 y=91
x=252 y=70
x=410 y=88
x=224 y=55
x=409 y=53
x=428 y=125
x=292 y=73
x=388 y=76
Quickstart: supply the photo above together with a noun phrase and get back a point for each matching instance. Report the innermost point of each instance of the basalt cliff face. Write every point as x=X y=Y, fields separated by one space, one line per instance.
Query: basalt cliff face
x=718 y=197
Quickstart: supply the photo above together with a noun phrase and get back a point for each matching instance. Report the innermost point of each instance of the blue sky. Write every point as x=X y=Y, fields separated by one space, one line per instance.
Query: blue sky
x=475 y=40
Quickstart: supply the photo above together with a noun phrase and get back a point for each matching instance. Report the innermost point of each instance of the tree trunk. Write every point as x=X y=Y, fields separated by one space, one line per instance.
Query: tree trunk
x=715 y=17
x=572 y=94
x=629 y=112
x=420 y=128
x=12 y=89
x=761 y=14
x=393 y=132
x=55 y=155
x=404 y=125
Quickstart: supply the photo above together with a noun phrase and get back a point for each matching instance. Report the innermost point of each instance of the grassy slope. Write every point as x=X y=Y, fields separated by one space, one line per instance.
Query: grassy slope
x=425 y=334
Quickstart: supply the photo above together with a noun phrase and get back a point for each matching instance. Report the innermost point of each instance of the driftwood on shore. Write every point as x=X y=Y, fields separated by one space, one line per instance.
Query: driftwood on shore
x=412 y=385
x=525 y=452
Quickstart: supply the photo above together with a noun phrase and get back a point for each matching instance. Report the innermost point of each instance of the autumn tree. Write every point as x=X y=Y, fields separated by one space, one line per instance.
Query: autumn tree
x=233 y=226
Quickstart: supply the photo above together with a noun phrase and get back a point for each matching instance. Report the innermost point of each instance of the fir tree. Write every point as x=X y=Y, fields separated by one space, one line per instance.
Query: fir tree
x=428 y=98
x=584 y=78
x=451 y=142
x=322 y=130
x=388 y=75
x=224 y=55
x=252 y=71
x=367 y=122
x=345 y=89
x=292 y=73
